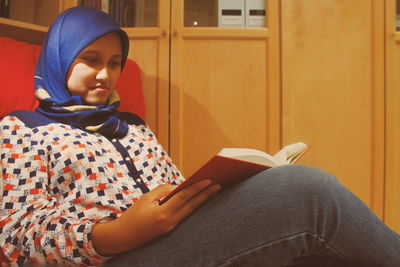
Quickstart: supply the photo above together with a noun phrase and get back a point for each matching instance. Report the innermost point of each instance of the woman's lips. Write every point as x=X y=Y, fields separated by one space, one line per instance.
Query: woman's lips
x=101 y=89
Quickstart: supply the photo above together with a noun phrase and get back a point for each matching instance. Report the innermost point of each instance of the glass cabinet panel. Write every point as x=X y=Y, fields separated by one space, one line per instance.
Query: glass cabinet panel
x=128 y=13
x=224 y=13
x=39 y=12
x=201 y=13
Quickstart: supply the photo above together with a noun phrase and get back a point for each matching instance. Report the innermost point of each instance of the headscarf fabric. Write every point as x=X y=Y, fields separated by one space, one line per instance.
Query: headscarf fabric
x=71 y=32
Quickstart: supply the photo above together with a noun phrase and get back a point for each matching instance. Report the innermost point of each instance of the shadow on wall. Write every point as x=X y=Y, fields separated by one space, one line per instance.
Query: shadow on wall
x=195 y=135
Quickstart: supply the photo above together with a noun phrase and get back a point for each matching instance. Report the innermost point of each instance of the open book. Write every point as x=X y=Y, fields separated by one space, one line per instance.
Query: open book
x=232 y=165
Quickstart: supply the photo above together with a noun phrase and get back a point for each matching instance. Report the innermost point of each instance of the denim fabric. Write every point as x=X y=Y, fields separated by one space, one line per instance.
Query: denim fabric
x=269 y=220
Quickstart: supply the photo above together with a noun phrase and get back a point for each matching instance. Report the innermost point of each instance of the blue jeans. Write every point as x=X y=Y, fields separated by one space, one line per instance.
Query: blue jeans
x=269 y=220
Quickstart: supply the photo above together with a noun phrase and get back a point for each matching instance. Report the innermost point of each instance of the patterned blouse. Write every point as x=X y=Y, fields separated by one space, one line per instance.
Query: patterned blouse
x=58 y=181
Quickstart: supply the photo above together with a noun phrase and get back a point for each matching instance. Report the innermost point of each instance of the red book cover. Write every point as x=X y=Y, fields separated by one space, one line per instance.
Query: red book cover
x=221 y=170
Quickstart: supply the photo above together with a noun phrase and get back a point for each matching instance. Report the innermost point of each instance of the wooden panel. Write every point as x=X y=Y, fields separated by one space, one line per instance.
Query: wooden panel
x=218 y=99
x=392 y=214
x=274 y=76
x=378 y=108
x=327 y=88
x=22 y=31
x=392 y=193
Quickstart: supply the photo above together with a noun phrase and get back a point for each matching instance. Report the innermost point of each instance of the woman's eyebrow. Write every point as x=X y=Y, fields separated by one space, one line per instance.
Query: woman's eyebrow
x=95 y=52
x=90 y=52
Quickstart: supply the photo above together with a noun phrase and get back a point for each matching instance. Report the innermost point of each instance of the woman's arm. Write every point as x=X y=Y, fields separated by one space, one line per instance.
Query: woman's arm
x=34 y=227
x=146 y=220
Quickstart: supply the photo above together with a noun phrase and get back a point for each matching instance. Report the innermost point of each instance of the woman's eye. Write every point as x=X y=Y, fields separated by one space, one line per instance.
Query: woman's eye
x=115 y=63
x=91 y=60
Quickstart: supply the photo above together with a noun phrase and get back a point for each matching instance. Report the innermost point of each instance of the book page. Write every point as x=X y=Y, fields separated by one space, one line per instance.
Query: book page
x=251 y=155
x=290 y=153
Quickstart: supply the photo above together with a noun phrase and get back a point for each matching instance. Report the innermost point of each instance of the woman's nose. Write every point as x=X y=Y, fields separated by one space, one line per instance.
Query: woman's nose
x=103 y=74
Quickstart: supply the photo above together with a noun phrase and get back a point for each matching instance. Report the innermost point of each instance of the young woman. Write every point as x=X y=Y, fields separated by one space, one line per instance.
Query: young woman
x=81 y=181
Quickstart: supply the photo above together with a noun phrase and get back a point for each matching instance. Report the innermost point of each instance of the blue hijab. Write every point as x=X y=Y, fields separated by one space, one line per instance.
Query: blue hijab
x=71 y=32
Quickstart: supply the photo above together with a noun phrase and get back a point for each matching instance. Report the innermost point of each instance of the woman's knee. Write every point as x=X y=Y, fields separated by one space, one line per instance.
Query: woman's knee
x=304 y=180
x=287 y=186
x=293 y=171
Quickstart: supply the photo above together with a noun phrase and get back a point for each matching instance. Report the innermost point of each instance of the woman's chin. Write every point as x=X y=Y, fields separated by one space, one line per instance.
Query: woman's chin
x=95 y=102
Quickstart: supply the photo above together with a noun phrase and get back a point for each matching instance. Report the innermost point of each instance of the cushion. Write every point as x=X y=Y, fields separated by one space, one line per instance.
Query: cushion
x=17 y=66
x=129 y=88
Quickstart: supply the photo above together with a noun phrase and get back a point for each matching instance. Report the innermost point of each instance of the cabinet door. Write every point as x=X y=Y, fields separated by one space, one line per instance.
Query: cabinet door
x=149 y=47
x=219 y=85
x=333 y=89
x=392 y=194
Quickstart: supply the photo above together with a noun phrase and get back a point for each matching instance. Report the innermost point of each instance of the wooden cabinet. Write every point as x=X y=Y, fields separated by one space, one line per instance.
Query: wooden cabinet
x=322 y=72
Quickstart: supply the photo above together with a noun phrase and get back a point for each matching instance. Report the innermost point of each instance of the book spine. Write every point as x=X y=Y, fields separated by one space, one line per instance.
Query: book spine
x=124 y=14
x=105 y=6
x=119 y=9
x=1 y=8
x=98 y=4
x=87 y=3
x=129 y=14
x=6 y=8
x=112 y=9
x=91 y=3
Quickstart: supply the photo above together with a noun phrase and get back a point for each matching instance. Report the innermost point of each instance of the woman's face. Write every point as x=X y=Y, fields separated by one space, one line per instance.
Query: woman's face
x=95 y=71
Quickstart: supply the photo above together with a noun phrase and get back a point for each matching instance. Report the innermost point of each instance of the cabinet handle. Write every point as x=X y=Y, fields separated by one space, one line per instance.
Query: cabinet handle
x=163 y=33
x=175 y=33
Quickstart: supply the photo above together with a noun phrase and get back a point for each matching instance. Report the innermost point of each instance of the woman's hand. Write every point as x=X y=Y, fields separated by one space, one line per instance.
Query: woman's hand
x=146 y=219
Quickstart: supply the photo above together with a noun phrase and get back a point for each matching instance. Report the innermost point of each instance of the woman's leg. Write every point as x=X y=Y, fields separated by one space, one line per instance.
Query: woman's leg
x=270 y=219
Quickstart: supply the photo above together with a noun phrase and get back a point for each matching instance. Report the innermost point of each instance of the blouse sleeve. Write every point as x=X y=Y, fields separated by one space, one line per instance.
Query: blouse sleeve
x=33 y=226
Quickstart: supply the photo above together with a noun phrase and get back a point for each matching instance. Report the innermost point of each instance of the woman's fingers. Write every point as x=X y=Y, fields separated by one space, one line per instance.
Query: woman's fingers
x=183 y=203
x=160 y=192
x=180 y=198
x=193 y=203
